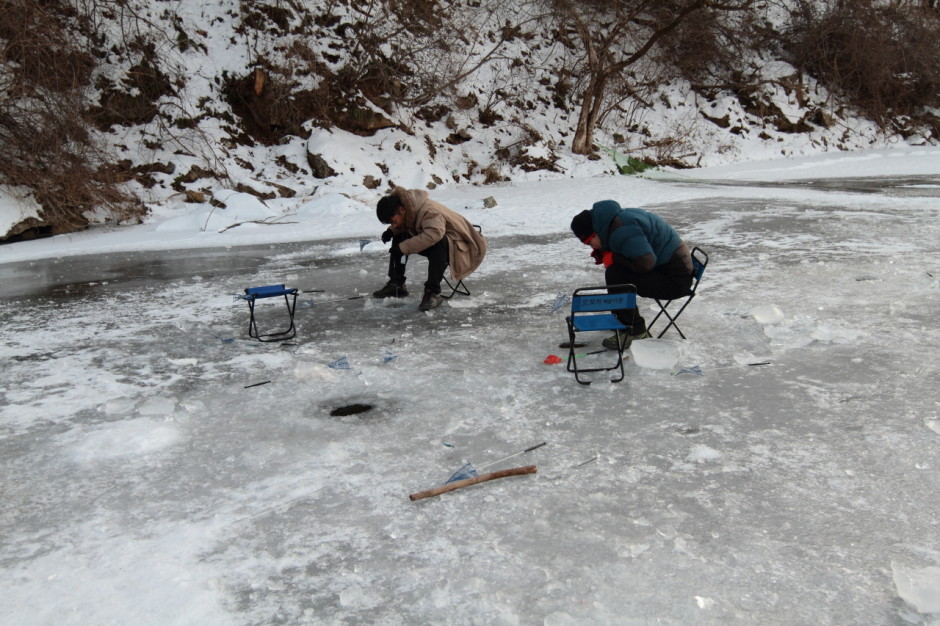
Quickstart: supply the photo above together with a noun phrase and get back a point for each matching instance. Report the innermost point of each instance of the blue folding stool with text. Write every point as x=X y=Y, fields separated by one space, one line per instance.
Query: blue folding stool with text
x=592 y=310
x=699 y=261
x=271 y=291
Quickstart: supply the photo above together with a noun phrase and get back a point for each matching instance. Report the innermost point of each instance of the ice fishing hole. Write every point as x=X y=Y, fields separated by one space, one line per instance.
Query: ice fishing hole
x=350 y=409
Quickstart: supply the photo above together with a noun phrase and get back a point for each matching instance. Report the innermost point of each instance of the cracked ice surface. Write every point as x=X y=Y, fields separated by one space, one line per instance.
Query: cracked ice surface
x=146 y=481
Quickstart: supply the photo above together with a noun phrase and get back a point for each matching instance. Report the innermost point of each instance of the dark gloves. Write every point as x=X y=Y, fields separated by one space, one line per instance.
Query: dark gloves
x=387 y=235
x=603 y=257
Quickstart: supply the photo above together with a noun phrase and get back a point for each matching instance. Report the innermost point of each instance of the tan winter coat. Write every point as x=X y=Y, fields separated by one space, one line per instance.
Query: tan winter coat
x=428 y=221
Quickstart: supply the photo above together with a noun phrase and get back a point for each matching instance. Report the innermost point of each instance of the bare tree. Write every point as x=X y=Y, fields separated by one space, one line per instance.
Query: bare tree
x=612 y=35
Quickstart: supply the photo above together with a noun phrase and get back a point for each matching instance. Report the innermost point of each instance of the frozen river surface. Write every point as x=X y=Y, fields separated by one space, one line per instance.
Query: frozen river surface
x=148 y=478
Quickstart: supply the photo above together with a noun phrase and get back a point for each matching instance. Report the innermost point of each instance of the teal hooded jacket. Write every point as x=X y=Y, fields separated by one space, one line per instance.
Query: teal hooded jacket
x=642 y=232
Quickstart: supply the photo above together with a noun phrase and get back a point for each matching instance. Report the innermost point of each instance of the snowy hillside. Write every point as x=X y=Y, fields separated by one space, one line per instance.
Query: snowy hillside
x=240 y=87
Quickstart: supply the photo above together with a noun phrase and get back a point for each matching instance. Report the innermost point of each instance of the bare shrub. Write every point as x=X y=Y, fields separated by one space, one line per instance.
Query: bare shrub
x=290 y=85
x=711 y=51
x=44 y=141
x=407 y=53
x=884 y=57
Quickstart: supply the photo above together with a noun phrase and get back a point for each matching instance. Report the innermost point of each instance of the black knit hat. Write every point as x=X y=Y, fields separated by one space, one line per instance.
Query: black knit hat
x=581 y=225
x=387 y=207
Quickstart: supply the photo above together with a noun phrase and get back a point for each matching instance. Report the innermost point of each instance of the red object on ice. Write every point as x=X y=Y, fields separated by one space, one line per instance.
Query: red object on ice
x=551 y=359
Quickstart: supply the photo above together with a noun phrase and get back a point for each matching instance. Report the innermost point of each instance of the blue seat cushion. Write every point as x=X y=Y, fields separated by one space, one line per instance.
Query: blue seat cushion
x=584 y=323
x=269 y=291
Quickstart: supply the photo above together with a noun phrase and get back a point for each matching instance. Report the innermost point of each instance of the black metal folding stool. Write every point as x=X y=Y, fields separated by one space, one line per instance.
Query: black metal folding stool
x=699 y=261
x=459 y=287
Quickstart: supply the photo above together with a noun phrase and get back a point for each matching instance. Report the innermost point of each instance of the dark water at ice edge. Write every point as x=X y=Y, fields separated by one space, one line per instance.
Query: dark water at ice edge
x=76 y=276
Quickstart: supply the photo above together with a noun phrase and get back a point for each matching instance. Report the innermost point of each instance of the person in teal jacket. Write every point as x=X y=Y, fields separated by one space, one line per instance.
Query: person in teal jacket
x=639 y=248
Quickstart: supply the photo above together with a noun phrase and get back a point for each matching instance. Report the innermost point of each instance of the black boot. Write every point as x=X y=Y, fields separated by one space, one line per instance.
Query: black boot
x=391 y=290
x=430 y=301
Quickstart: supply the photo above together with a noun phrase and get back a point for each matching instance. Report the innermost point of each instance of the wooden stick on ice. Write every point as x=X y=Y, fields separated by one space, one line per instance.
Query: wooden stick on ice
x=515 y=471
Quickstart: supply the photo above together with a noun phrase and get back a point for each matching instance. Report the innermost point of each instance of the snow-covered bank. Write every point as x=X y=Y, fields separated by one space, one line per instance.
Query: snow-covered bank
x=535 y=207
x=899 y=161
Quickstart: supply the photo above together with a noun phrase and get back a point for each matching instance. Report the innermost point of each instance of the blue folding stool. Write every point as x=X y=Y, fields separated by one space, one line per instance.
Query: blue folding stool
x=271 y=291
x=699 y=261
x=592 y=310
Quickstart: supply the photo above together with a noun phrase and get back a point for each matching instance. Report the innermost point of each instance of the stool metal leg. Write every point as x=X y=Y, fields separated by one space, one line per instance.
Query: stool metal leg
x=455 y=289
x=290 y=300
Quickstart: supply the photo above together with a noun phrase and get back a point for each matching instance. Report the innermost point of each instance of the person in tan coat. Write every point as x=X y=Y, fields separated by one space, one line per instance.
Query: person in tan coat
x=419 y=225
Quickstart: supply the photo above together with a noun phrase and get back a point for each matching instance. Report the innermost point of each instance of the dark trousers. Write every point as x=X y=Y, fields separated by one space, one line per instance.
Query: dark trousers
x=665 y=282
x=438 y=257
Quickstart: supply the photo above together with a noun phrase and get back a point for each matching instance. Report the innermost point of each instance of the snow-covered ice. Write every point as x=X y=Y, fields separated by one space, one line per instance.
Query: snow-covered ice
x=767 y=314
x=161 y=468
